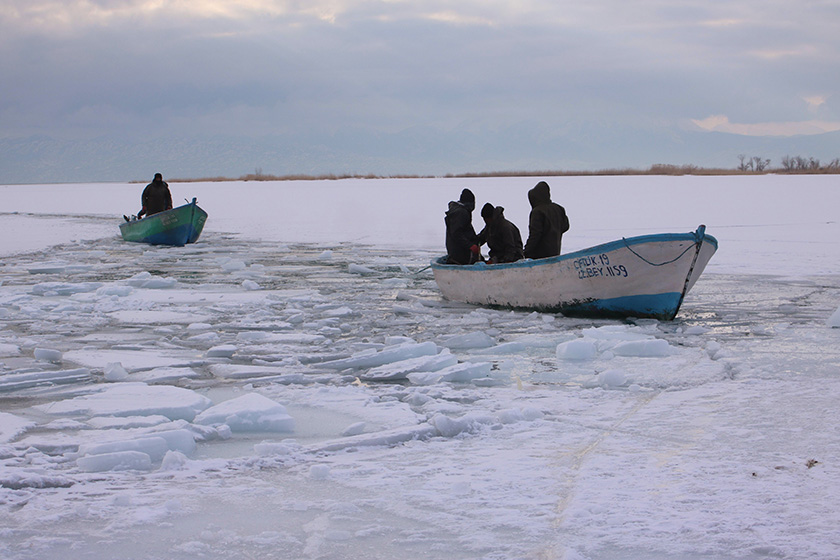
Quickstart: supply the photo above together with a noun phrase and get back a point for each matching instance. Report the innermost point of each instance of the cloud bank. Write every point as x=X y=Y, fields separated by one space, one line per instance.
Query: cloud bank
x=318 y=72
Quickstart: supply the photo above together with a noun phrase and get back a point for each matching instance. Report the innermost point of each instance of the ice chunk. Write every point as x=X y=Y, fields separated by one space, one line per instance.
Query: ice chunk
x=401 y=369
x=115 y=290
x=463 y=372
x=178 y=440
x=232 y=265
x=613 y=332
x=205 y=338
x=162 y=374
x=466 y=371
x=48 y=355
x=451 y=427
x=118 y=461
x=281 y=338
x=173 y=461
x=17 y=381
x=578 y=350
x=248 y=413
x=250 y=285
x=834 y=320
x=148 y=281
x=651 y=348
x=222 y=351
x=233 y=371
x=153 y=447
x=354 y=429
x=9 y=350
x=359 y=269
x=372 y=358
x=114 y=371
x=424 y=377
x=505 y=348
x=467 y=341
x=342 y=311
x=47 y=268
x=612 y=378
x=133 y=399
x=12 y=426
x=64 y=288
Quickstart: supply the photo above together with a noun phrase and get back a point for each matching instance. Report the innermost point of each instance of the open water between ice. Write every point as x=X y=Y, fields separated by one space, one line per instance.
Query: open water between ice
x=519 y=435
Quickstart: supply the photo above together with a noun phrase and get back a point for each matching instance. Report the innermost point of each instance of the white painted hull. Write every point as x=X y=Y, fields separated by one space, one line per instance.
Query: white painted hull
x=646 y=276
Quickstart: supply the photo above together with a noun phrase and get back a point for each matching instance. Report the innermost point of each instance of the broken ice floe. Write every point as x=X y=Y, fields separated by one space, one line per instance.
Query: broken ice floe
x=249 y=413
x=15 y=381
x=133 y=399
x=400 y=369
x=834 y=320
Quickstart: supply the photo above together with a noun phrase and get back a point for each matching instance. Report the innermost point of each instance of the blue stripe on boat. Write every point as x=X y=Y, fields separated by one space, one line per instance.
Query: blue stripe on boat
x=647 y=305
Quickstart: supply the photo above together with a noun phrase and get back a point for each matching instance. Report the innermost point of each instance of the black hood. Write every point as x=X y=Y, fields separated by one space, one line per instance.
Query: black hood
x=540 y=194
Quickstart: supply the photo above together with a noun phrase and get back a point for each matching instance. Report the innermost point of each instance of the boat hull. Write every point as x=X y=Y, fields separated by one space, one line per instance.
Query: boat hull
x=176 y=227
x=646 y=276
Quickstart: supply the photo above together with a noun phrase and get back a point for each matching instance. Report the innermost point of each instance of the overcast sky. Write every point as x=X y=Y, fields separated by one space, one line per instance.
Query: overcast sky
x=137 y=68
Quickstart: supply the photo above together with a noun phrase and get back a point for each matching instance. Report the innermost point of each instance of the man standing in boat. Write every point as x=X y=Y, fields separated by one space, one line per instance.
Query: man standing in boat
x=546 y=225
x=461 y=240
x=156 y=197
x=502 y=237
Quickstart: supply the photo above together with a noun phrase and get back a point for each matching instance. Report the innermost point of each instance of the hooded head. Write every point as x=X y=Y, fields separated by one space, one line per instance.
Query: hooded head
x=540 y=194
x=158 y=177
x=467 y=199
x=487 y=212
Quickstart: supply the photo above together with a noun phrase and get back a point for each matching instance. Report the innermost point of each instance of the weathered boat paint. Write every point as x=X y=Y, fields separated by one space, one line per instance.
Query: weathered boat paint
x=644 y=276
x=177 y=226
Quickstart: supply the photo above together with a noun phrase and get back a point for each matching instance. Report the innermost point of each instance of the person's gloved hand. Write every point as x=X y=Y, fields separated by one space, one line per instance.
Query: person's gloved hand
x=475 y=250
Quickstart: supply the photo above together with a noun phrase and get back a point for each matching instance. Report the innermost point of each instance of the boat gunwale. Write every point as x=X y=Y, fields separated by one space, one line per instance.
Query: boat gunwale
x=694 y=237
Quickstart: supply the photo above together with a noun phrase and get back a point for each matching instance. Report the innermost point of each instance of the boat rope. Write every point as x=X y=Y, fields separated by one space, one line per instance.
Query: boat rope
x=678 y=257
x=699 y=236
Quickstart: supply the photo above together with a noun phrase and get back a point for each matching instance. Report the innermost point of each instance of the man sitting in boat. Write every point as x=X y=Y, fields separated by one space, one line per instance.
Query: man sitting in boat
x=546 y=225
x=501 y=235
x=461 y=240
x=156 y=197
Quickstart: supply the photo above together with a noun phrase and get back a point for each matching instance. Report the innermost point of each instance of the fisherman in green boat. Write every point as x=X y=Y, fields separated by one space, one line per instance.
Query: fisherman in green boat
x=156 y=197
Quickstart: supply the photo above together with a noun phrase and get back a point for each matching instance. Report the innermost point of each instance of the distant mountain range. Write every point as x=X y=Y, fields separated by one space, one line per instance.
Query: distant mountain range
x=414 y=151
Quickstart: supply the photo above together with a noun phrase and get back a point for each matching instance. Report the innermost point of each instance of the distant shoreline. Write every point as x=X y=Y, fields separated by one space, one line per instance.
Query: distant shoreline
x=660 y=169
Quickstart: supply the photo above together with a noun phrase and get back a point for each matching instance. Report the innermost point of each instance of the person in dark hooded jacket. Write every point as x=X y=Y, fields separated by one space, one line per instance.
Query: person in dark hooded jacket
x=156 y=197
x=546 y=225
x=501 y=235
x=461 y=240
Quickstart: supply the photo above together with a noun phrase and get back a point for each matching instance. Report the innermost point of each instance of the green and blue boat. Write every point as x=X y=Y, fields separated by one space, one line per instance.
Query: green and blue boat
x=176 y=227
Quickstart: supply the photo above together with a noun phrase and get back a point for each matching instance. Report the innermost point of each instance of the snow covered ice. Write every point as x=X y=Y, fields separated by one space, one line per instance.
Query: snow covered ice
x=293 y=385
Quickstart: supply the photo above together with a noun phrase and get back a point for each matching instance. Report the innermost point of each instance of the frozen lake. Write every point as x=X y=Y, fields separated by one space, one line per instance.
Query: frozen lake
x=293 y=385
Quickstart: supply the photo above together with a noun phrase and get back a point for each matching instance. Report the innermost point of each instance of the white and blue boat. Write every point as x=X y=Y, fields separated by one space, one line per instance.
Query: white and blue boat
x=646 y=277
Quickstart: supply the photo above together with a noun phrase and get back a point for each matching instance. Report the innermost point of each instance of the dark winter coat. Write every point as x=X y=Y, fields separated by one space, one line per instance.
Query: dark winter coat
x=156 y=198
x=502 y=238
x=546 y=225
x=460 y=235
